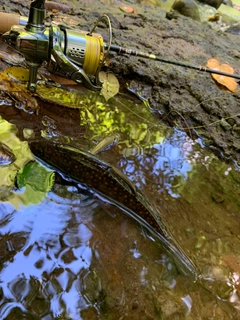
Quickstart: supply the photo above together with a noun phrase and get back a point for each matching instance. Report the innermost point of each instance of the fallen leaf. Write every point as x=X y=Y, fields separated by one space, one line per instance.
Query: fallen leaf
x=110 y=85
x=212 y=63
x=127 y=9
x=216 y=17
x=16 y=73
x=236 y=6
x=228 y=82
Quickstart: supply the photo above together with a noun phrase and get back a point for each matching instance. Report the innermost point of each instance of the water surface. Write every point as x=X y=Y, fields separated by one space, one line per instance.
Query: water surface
x=68 y=254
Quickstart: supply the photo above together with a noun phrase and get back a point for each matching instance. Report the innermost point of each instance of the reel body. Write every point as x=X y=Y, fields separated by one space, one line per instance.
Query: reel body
x=76 y=55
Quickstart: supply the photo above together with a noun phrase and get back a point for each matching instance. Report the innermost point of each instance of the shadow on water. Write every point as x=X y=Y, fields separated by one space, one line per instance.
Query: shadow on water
x=68 y=254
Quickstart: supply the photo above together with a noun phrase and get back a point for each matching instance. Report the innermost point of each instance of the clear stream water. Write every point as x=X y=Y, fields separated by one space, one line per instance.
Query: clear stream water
x=68 y=254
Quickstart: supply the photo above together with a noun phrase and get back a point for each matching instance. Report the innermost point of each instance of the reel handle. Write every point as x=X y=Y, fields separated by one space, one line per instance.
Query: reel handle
x=7 y=20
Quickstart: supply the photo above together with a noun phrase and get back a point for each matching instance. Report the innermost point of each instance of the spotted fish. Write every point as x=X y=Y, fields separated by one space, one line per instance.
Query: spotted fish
x=112 y=184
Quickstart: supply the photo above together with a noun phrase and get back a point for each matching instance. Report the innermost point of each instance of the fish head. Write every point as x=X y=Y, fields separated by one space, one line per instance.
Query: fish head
x=38 y=148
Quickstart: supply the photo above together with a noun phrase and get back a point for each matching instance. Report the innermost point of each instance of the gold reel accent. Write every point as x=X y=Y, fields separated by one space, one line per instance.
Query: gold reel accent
x=94 y=53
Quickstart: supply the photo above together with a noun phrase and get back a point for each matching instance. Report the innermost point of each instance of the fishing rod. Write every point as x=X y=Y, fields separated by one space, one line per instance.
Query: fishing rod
x=151 y=56
x=75 y=54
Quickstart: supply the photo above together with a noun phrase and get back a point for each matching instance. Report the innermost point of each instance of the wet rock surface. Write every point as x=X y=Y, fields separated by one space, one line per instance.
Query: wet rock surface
x=187 y=8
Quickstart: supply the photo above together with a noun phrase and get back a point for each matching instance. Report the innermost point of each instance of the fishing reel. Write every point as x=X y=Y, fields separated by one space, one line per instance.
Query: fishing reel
x=76 y=55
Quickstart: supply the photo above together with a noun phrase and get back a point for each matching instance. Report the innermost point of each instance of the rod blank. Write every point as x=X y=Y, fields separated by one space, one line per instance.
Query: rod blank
x=121 y=50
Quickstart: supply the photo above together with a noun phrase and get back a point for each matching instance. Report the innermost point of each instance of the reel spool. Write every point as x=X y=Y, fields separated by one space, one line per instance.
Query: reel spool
x=79 y=55
x=87 y=51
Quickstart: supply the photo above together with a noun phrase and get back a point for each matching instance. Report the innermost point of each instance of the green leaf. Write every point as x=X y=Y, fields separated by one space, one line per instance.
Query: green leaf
x=36 y=176
x=33 y=179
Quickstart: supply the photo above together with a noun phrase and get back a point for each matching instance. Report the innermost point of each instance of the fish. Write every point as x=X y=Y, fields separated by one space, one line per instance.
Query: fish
x=111 y=184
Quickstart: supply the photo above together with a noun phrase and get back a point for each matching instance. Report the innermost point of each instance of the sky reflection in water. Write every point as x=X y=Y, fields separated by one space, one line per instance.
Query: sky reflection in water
x=50 y=251
x=164 y=162
x=44 y=252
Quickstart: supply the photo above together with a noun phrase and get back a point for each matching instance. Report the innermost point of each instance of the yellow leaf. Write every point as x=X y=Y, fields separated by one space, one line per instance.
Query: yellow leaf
x=228 y=82
x=17 y=73
x=110 y=85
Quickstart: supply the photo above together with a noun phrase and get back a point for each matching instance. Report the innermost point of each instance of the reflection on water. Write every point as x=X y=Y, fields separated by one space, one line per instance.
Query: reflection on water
x=73 y=256
x=76 y=257
x=45 y=243
x=51 y=253
x=202 y=210
x=168 y=163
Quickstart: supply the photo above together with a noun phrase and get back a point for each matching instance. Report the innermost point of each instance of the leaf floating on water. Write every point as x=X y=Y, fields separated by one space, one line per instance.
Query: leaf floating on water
x=11 y=80
x=105 y=143
x=110 y=85
x=36 y=176
x=228 y=82
x=14 y=153
x=33 y=179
